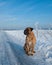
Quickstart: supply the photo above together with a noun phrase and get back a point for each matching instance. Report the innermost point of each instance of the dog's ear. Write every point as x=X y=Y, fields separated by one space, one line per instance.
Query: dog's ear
x=31 y=28
x=25 y=32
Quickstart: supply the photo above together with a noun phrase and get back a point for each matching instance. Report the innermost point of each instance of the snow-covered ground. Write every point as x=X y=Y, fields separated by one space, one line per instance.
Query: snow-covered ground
x=12 y=53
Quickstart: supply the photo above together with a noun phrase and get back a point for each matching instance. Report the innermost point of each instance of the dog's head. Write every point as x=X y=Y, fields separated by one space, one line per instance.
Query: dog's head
x=28 y=30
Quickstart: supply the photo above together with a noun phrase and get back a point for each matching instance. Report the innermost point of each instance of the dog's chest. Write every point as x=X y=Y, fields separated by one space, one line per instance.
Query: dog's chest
x=30 y=43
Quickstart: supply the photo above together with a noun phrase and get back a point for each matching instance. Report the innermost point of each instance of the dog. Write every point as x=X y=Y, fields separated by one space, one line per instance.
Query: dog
x=30 y=41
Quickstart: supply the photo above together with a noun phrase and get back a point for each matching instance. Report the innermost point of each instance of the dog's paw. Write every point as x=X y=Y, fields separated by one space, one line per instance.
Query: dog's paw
x=28 y=53
x=34 y=52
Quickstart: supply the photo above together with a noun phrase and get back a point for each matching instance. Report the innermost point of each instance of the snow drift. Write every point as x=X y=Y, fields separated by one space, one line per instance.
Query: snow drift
x=12 y=53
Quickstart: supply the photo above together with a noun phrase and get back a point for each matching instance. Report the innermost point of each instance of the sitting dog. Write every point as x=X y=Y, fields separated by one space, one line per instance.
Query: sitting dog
x=30 y=41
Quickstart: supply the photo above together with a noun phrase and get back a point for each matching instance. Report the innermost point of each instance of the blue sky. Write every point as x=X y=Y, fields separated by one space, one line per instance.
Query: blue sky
x=23 y=13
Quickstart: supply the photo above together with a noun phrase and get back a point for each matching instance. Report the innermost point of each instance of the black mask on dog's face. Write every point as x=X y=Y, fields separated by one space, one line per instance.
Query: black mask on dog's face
x=28 y=30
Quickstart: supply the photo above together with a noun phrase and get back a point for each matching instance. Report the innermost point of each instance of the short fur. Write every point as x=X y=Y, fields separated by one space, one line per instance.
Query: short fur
x=30 y=38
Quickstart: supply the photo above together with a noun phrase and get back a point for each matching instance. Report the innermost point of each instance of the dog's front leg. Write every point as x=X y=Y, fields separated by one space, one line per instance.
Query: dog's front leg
x=32 y=48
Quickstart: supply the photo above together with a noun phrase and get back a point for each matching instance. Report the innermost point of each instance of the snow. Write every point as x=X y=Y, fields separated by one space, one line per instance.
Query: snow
x=12 y=52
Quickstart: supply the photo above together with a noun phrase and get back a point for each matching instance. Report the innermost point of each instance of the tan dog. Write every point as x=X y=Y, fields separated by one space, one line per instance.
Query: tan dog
x=30 y=41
